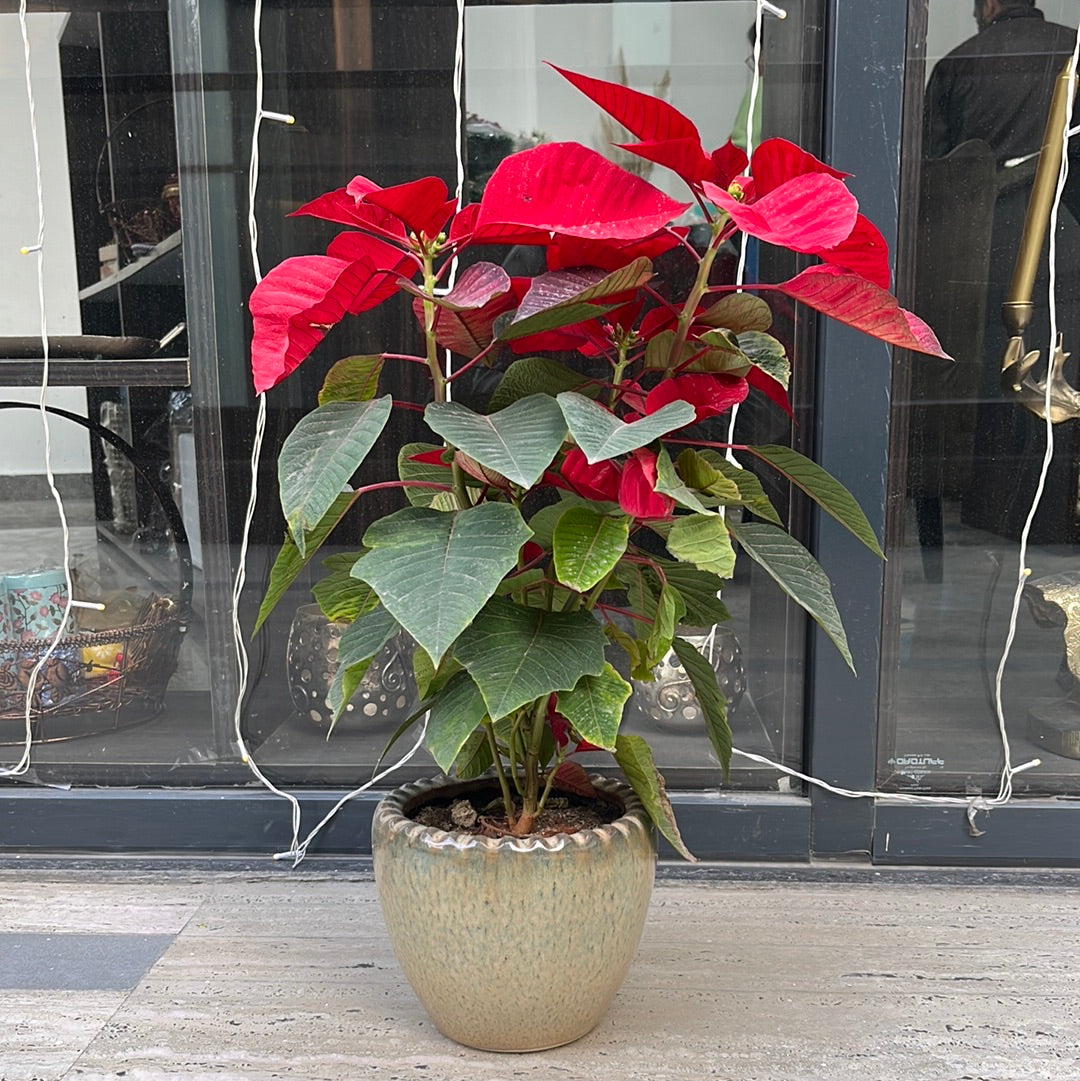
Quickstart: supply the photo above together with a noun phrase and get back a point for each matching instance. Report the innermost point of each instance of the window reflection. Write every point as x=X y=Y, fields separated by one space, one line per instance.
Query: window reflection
x=973 y=454
x=126 y=697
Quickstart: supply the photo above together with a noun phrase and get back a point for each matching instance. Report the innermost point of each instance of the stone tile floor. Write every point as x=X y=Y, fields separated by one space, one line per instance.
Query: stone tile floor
x=773 y=975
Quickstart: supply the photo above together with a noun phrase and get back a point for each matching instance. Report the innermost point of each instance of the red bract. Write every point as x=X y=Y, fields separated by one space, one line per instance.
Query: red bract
x=729 y=161
x=776 y=161
x=668 y=137
x=422 y=205
x=359 y=246
x=851 y=299
x=864 y=251
x=345 y=207
x=567 y=188
x=600 y=481
x=572 y=251
x=805 y=214
x=636 y=488
x=709 y=394
x=298 y=302
x=771 y=388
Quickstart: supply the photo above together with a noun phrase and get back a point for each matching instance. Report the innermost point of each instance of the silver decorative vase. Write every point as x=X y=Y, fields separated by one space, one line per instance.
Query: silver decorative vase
x=669 y=701
x=387 y=693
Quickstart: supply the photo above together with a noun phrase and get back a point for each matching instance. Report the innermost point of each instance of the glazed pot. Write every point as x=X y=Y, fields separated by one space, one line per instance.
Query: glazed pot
x=513 y=944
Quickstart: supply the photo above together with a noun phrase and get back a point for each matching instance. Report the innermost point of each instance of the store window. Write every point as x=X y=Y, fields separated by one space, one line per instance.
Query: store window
x=385 y=109
x=124 y=696
x=968 y=443
x=149 y=124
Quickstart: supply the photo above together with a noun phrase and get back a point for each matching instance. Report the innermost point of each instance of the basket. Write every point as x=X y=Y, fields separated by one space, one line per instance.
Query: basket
x=124 y=668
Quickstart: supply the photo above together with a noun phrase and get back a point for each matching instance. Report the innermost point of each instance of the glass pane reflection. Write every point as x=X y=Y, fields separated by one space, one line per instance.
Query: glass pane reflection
x=969 y=455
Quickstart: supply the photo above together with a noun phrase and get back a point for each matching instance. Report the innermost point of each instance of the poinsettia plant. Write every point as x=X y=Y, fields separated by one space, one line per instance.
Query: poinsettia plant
x=579 y=510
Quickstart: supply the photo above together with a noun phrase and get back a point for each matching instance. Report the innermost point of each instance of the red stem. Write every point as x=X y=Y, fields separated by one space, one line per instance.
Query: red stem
x=706 y=443
x=605 y=608
x=479 y=356
x=405 y=356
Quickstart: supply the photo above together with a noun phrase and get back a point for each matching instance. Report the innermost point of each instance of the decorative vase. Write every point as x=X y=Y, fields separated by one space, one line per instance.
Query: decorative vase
x=669 y=702
x=387 y=693
x=513 y=944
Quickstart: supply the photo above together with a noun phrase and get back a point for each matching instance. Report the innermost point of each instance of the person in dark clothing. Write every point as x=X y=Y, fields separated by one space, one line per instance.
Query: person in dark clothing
x=996 y=88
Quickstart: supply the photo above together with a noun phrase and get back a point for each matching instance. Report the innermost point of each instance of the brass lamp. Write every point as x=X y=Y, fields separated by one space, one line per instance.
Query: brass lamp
x=1017 y=379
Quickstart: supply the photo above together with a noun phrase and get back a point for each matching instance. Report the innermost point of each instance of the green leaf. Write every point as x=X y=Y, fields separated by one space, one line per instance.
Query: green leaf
x=737 y=312
x=342 y=598
x=715 y=351
x=475 y=756
x=423 y=672
x=544 y=522
x=429 y=679
x=713 y=704
x=435 y=570
x=797 y=573
x=422 y=471
x=562 y=315
x=537 y=375
x=289 y=562
x=522 y=580
x=587 y=545
x=700 y=474
x=518 y=441
x=636 y=761
x=398 y=733
x=634 y=650
x=669 y=610
x=751 y=494
x=353 y=379
x=669 y=482
x=341 y=561
x=823 y=488
x=595 y=706
x=766 y=353
x=704 y=542
x=454 y=716
x=358 y=646
x=516 y=655
x=698 y=590
x=601 y=434
x=320 y=455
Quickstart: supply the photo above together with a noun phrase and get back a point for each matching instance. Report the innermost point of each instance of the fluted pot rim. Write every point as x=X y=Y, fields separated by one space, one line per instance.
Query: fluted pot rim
x=392 y=820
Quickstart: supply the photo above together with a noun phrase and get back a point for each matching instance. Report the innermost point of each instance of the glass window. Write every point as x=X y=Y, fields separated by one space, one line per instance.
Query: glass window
x=125 y=695
x=968 y=447
x=145 y=123
x=383 y=107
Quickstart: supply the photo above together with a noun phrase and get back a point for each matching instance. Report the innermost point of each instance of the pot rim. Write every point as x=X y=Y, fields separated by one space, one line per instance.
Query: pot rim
x=390 y=816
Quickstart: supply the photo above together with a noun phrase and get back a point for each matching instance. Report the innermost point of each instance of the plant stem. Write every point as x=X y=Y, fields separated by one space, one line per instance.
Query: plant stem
x=617 y=374
x=550 y=780
x=508 y=800
x=697 y=291
x=438 y=380
x=530 y=800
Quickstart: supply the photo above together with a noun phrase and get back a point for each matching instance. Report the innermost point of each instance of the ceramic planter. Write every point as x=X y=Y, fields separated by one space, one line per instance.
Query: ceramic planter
x=513 y=944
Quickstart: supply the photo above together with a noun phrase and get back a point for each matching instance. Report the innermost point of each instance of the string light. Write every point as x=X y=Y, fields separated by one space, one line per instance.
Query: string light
x=23 y=765
x=1008 y=771
x=298 y=849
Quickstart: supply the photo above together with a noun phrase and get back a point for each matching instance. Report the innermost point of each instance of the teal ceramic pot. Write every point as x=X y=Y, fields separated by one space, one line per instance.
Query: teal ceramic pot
x=513 y=944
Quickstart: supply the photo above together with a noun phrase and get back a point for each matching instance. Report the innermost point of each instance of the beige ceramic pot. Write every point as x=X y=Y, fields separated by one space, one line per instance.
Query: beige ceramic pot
x=513 y=944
